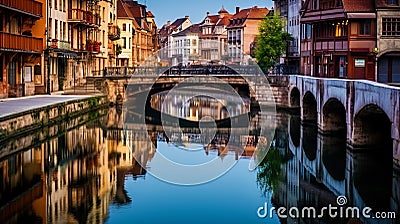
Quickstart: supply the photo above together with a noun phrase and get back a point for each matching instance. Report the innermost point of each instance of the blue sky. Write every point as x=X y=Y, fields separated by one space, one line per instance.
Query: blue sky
x=165 y=10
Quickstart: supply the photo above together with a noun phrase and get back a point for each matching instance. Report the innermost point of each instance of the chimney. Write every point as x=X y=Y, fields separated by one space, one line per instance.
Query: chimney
x=169 y=23
x=208 y=13
x=186 y=17
x=237 y=9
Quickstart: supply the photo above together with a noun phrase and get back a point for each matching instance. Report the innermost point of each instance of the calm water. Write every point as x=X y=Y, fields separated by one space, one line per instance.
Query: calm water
x=87 y=170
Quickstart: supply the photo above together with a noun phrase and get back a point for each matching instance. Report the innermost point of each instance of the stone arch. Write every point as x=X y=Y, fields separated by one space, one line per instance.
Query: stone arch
x=333 y=117
x=294 y=97
x=309 y=113
x=373 y=166
x=371 y=128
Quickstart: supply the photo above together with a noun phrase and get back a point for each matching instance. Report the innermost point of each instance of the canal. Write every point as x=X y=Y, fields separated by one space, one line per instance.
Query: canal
x=96 y=169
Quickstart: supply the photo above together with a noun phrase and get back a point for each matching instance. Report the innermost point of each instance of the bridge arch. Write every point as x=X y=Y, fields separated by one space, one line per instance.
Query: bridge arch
x=309 y=113
x=372 y=128
x=294 y=97
x=333 y=117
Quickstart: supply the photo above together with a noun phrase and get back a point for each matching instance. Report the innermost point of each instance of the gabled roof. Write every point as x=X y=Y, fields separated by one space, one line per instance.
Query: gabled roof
x=150 y=14
x=193 y=29
x=178 y=22
x=123 y=10
x=250 y=13
x=225 y=20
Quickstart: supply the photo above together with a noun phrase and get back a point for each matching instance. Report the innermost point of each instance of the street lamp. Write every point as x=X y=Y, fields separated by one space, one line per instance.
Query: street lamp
x=376 y=51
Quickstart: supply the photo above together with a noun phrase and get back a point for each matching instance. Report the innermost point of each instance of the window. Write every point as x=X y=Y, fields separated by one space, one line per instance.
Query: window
x=390 y=26
x=56 y=28
x=50 y=30
x=64 y=31
x=365 y=28
x=55 y=4
x=124 y=27
x=392 y=2
x=28 y=74
x=12 y=72
x=341 y=30
x=194 y=42
x=124 y=42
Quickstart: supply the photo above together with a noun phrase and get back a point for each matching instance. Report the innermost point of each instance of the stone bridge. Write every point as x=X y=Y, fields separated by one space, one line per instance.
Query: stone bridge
x=367 y=113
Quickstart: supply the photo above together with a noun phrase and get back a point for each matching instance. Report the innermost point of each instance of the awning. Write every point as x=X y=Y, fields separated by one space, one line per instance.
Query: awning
x=123 y=55
x=361 y=15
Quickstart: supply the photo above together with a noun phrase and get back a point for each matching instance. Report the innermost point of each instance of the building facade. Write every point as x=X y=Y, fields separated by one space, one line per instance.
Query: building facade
x=242 y=31
x=388 y=41
x=22 y=26
x=138 y=33
x=290 y=11
x=166 y=39
x=338 y=39
x=214 y=36
x=185 y=48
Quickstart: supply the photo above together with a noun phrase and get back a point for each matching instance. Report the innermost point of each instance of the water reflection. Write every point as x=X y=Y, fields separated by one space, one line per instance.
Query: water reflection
x=180 y=103
x=87 y=173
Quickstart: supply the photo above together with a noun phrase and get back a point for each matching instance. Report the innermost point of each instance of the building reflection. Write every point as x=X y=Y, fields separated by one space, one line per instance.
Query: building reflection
x=181 y=103
x=75 y=176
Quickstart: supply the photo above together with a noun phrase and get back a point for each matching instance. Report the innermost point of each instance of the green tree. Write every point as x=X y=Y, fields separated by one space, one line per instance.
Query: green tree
x=271 y=41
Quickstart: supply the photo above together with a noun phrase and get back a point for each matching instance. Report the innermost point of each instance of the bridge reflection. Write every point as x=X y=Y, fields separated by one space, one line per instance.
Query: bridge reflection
x=75 y=176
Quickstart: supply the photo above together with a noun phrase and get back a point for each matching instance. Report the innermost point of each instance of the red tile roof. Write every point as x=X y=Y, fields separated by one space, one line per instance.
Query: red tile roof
x=250 y=13
x=358 y=5
x=225 y=21
x=123 y=10
x=150 y=14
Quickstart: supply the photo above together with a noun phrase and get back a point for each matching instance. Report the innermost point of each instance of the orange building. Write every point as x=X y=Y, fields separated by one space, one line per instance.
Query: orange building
x=22 y=28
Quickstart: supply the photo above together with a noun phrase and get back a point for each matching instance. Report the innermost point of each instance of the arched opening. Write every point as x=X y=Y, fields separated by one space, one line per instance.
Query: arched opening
x=372 y=128
x=309 y=110
x=333 y=117
x=373 y=166
x=295 y=98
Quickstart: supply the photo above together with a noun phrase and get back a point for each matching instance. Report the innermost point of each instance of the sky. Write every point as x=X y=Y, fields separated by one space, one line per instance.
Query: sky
x=165 y=10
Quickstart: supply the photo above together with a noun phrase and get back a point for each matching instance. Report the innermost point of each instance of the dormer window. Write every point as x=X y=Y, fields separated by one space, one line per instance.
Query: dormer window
x=207 y=20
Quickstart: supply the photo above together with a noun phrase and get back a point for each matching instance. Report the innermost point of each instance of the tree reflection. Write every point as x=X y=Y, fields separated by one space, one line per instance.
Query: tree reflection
x=270 y=170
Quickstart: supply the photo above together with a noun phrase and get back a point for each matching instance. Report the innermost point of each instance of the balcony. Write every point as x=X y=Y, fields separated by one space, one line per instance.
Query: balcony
x=93 y=46
x=83 y=17
x=29 y=7
x=59 y=44
x=20 y=43
x=114 y=32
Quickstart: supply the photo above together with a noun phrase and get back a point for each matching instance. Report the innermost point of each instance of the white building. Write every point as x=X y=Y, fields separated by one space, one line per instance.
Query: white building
x=166 y=39
x=185 y=45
